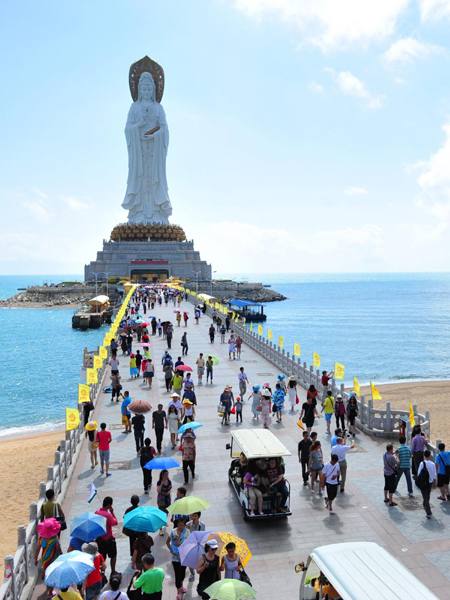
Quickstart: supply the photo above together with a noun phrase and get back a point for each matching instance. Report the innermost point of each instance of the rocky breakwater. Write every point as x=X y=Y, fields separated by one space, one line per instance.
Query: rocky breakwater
x=259 y=295
x=39 y=300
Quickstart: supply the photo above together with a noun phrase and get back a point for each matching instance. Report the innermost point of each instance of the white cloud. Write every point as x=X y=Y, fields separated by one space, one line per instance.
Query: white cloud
x=36 y=209
x=350 y=85
x=330 y=24
x=355 y=191
x=39 y=193
x=408 y=50
x=315 y=87
x=434 y=9
x=74 y=203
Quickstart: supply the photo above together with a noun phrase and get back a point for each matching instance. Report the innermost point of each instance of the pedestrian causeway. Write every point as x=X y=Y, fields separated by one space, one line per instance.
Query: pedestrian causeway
x=276 y=545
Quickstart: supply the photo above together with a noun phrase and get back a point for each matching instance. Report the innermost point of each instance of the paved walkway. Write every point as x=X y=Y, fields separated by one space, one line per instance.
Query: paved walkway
x=422 y=545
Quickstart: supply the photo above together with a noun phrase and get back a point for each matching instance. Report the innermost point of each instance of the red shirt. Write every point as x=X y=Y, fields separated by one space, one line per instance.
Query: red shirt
x=95 y=576
x=103 y=438
x=325 y=379
x=110 y=522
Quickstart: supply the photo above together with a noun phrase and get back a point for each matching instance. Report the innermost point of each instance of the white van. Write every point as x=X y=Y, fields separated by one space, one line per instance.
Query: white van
x=256 y=445
x=358 y=571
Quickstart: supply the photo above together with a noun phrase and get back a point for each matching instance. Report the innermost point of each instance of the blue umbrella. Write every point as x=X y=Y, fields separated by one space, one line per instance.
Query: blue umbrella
x=88 y=526
x=145 y=518
x=69 y=568
x=163 y=462
x=192 y=425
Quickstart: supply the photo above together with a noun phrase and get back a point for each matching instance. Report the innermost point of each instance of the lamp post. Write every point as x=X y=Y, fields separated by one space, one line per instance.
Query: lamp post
x=197 y=273
x=211 y=282
x=96 y=280
x=107 y=278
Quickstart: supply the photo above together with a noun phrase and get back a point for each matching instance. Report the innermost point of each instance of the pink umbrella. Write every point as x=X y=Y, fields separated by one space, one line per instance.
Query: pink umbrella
x=176 y=310
x=183 y=368
x=49 y=528
x=144 y=344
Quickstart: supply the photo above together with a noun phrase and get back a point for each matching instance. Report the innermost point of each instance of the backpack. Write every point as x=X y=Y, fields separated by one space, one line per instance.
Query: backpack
x=423 y=478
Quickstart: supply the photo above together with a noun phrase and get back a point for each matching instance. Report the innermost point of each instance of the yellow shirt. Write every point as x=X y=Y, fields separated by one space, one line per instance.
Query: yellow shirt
x=329 y=405
x=69 y=595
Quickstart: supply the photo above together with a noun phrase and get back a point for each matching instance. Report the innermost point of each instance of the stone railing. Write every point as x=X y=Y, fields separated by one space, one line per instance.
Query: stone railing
x=20 y=571
x=384 y=422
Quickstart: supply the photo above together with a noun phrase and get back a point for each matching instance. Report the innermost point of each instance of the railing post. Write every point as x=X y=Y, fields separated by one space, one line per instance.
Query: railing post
x=369 y=414
x=9 y=574
x=22 y=541
x=362 y=410
x=311 y=374
x=428 y=427
x=387 y=422
x=42 y=490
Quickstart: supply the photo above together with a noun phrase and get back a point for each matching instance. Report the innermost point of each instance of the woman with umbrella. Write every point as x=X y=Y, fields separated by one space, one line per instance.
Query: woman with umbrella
x=231 y=562
x=208 y=568
x=174 y=540
x=93 y=582
x=49 y=544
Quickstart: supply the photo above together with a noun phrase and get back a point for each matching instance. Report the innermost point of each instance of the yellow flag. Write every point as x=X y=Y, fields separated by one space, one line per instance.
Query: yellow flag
x=225 y=310
x=356 y=386
x=72 y=418
x=411 y=416
x=237 y=319
x=251 y=325
x=297 y=349
x=316 y=360
x=260 y=330
x=83 y=392
x=103 y=352
x=269 y=334
x=244 y=321
x=91 y=375
x=106 y=342
x=232 y=315
x=339 y=371
x=98 y=362
x=375 y=393
x=280 y=341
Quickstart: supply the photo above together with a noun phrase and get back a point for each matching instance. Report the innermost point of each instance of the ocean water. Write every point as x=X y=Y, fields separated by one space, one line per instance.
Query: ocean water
x=40 y=360
x=385 y=328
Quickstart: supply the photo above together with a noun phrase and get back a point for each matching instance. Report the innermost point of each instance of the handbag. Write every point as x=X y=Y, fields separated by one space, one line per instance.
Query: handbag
x=259 y=408
x=95 y=445
x=134 y=593
x=61 y=520
x=124 y=420
x=244 y=577
x=297 y=401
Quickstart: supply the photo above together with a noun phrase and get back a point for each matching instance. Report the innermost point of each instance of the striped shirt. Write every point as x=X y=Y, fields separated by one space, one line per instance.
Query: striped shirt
x=404 y=456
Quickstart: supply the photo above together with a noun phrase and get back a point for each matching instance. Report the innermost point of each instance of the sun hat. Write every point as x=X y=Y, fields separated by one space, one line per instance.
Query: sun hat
x=265 y=384
x=90 y=548
x=49 y=528
x=213 y=544
x=266 y=393
x=230 y=387
x=339 y=396
x=174 y=395
x=91 y=426
x=281 y=377
x=256 y=388
x=132 y=355
x=292 y=378
x=186 y=401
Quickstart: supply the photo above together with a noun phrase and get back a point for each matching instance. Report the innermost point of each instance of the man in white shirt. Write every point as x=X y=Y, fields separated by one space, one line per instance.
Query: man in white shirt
x=341 y=452
x=114 y=365
x=243 y=380
x=175 y=401
x=426 y=491
x=329 y=479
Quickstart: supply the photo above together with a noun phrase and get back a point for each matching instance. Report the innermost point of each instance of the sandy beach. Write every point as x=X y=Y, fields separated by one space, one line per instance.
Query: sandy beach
x=431 y=395
x=25 y=461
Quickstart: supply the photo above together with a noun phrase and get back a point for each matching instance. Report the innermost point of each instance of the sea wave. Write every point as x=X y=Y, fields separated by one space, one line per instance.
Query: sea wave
x=13 y=432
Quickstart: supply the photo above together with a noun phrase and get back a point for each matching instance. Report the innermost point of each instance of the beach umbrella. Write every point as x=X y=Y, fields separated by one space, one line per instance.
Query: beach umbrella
x=192 y=425
x=192 y=548
x=145 y=518
x=139 y=321
x=177 y=310
x=69 y=568
x=88 y=526
x=162 y=462
x=140 y=407
x=91 y=426
x=241 y=546
x=49 y=528
x=187 y=506
x=230 y=589
x=183 y=368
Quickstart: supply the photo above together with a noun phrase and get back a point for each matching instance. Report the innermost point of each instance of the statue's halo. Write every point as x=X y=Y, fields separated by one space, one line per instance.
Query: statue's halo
x=148 y=65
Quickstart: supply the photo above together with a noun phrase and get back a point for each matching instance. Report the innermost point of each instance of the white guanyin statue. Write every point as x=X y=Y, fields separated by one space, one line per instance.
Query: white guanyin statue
x=147 y=197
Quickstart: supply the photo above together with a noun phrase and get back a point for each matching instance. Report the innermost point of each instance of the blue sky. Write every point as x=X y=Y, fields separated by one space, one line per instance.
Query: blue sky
x=305 y=136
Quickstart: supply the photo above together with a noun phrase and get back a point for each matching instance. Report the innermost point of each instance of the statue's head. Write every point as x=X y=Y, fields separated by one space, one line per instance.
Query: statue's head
x=146 y=88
